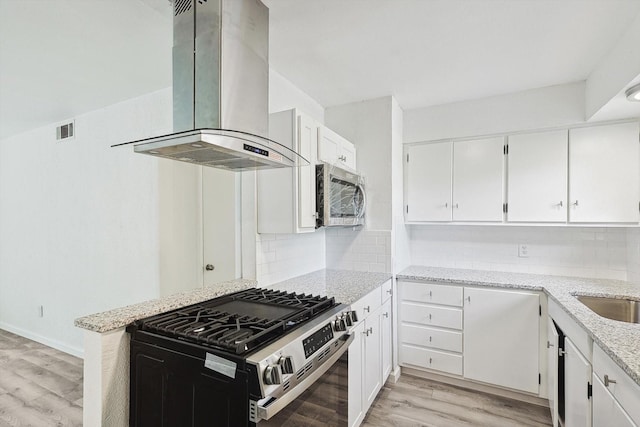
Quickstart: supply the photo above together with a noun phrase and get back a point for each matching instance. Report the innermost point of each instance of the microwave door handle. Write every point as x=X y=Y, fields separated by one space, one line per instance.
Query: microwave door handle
x=364 y=201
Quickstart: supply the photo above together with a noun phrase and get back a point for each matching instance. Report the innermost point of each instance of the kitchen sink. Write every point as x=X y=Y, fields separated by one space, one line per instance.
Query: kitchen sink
x=624 y=310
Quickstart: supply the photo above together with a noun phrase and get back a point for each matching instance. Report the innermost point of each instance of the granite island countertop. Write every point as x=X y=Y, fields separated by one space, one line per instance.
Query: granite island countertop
x=345 y=286
x=620 y=340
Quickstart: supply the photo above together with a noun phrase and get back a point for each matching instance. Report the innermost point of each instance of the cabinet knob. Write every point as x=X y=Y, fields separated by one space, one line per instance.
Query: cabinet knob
x=560 y=204
x=446 y=205
x=575 y=203
x=608 y=381
x=469 y=299
x=209 y=267
x=367 y=308
x=549 y=344
x=386 y=315
x=429 y=316
x=455 y=206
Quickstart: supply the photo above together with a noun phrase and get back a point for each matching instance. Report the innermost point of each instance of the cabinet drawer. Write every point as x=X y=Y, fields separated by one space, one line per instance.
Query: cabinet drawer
x=367 y=304
x=430 y=293
x=386 y=290
x=625 y=390
x=431 y=315
x=431 y=359
x=431 y=337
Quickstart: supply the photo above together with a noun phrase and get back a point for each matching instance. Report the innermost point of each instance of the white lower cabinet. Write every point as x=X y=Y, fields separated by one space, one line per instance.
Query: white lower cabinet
x=577 y=377
x=370 y=352
x=553 y=344
x=606 y=409
x=616 y=397
x=501 y=338
x=482 y=334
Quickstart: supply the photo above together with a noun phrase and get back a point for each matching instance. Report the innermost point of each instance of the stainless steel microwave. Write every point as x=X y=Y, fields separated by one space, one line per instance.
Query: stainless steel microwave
x=340 y=197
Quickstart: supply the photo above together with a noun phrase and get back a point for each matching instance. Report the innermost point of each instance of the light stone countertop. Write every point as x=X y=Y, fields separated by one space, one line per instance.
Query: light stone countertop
x=121 y=317
x=620 y=340
x=345 y=286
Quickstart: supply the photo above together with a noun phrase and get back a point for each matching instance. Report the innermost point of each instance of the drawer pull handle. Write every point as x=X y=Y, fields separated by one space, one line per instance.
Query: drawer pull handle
x=469 y=299
x=430 y=294
x=386 y=315
x=608 y=381
x=430 y=360
x=430 y=338
x=389 y=291
x=429 y=316
x=549 y=344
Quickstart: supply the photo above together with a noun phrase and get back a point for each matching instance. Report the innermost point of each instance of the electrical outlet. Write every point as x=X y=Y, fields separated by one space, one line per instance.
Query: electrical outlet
x=523 y=250
x=40 y=311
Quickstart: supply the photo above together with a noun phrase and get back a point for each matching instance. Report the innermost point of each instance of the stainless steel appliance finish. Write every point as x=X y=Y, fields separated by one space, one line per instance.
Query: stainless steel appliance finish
x=623 y=310
x=286 y=368
x=340 y=197
x=221 y=88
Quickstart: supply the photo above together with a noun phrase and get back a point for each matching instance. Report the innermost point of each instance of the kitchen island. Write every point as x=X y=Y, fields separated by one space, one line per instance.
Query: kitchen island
x=106 y=366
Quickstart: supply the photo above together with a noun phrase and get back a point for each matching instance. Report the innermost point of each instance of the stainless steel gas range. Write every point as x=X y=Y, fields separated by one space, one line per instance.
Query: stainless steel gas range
x=234 y=360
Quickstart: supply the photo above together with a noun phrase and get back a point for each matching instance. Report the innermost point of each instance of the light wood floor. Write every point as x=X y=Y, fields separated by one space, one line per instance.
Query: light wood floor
x=416 y=402
x=39 y=386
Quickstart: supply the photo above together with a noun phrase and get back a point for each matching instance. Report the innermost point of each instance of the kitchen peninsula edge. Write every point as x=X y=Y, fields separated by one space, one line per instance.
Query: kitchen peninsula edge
x=106 y=343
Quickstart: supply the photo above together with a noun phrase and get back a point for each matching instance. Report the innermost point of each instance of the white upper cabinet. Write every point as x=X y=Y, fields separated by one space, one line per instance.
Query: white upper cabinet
x=478 y=179
x=604 y=179
x=287 y=197
x=428 y=182
x=537 y=177
x=335 y=150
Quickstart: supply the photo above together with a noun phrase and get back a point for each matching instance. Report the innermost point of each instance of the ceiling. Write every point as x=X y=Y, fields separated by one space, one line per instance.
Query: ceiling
x=62 y=58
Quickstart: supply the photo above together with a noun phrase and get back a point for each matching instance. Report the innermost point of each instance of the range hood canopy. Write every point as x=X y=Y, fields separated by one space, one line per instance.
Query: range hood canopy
x=221 y=89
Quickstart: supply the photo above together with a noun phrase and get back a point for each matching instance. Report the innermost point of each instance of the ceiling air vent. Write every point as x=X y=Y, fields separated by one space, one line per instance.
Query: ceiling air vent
x=64 y=131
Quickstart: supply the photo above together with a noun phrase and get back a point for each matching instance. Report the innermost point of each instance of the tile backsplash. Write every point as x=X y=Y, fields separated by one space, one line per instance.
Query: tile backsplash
x=633 y=255
x=596 y=252
x=358 y=249
x=283 y=256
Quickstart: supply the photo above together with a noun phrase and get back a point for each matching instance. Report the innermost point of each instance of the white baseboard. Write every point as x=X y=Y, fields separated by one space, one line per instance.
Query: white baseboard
x=74 y=351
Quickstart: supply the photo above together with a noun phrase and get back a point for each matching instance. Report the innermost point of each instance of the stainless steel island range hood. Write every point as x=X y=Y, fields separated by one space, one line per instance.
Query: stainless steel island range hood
x=221 y=89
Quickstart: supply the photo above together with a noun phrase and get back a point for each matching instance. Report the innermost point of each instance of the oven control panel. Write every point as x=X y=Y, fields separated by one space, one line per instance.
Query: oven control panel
x=314 y=342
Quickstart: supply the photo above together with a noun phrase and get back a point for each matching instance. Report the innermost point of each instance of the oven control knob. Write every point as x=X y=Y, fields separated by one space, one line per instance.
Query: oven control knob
x=286 y=364
x=272 y=375
x=339 y=324
x=354 y=316
x=347 y=318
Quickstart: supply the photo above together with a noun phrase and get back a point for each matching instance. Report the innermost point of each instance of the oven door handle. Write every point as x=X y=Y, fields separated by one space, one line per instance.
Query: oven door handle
x=275 y=406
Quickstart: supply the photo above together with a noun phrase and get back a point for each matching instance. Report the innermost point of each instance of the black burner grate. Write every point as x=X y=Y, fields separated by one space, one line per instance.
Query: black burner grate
x=239 y=322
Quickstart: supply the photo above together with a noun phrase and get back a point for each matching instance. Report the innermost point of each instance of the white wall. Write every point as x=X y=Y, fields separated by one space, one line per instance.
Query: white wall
x=367 y=124
x=79 y=221
x=567 y=251
x=533 y=109
x=361 y=250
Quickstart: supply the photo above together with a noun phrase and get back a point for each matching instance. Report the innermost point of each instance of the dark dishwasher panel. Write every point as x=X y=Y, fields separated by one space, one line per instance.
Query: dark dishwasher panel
x=171 y=389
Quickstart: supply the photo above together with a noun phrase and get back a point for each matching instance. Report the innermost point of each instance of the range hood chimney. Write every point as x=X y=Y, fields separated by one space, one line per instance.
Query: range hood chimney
x=221 y=89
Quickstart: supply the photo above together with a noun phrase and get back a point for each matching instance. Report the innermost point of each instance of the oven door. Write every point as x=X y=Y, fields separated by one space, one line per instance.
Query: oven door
x=323 y=403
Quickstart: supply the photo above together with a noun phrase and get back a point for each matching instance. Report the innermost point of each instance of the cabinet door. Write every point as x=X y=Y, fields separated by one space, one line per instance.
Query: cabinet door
x=329 y=144
x=372 y=358
x=537 y=177
x=577 y=376
x=307 y=147
x=501 y=333
x=552 y=370
x=348 y=155
x=477 y=180
x=606 y=410
x=603 y=173
x=355 y=379
x=428 y=182
x=385 y=320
